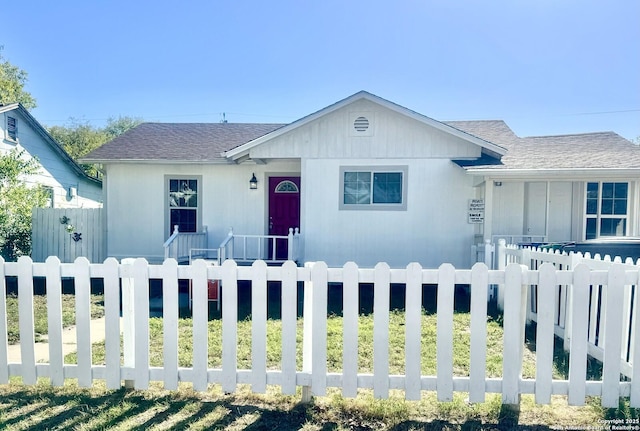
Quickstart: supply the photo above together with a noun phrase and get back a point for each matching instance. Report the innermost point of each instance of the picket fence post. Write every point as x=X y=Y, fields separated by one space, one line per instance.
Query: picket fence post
x=515 y=303
x=54 y=311
x=613 y=328
x=25 y=320
x=413 y=332
x=4 y=344
x=314 y=358
x=350 y=329
x=229 y=326
x=502 y=264
x=307 y=345
x=579 y=329
x=478 y=329
x=128 y=320
x=381 y=287
x=488 y=253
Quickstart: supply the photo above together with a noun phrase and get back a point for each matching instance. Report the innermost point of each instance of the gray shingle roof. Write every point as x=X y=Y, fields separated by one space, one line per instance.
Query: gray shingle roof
x=205 y=142
x=495 y=131
x=191 y=142
x=600 y=150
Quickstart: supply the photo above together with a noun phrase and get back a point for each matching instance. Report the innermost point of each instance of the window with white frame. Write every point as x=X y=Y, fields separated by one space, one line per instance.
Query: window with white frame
x=183 y=203
x=380 y=188
x=607 y=206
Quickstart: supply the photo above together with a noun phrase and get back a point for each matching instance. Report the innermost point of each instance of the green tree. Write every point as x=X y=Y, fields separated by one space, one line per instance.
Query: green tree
x=79 y=137
x=117 y=126
x=12 y=82
x=17 y=200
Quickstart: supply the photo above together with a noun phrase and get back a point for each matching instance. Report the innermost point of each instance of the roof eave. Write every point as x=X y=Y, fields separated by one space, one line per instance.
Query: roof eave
x=159 y=161
x=556 y=173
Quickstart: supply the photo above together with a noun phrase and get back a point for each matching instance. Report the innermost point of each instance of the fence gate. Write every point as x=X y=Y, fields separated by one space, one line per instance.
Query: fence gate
x=68 y=233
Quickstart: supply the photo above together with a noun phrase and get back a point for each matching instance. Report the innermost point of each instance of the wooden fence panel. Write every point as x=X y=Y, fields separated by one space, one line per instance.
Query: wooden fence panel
x=68 y=233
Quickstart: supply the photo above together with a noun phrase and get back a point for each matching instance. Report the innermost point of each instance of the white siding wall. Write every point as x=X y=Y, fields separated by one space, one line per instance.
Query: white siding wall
x=508 y=208
x=520 y=208
x=136 y=203
x=434 y=228
x=55 y=172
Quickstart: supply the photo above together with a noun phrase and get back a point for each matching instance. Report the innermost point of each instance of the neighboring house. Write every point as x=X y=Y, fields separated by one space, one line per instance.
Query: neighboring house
x=68 y=185
x=365 y=180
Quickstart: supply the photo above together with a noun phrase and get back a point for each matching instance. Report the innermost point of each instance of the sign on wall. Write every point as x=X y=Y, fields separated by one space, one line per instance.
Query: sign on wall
x=476 y=211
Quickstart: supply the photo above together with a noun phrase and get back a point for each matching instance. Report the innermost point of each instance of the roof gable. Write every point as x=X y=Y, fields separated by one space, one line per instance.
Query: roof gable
x=42 y=132
x=243 y=151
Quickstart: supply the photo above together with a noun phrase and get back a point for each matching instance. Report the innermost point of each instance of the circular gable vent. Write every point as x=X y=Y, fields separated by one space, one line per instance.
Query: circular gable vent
x=361 y=124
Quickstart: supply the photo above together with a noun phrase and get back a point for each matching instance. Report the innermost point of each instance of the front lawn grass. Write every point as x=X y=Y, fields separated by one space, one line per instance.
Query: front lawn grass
x=245 y=410
x=44 y=407
x=40 y=314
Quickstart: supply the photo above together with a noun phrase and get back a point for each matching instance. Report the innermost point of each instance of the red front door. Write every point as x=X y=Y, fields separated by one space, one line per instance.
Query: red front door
x=284 y=210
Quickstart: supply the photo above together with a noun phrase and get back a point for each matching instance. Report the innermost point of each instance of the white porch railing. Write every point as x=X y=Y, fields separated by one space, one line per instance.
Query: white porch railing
x=564 y=302
x=130 y=361
x=179 y=245
x=249 y=248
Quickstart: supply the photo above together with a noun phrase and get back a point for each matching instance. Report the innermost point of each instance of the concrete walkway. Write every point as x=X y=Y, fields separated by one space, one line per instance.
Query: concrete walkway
x=68 y=342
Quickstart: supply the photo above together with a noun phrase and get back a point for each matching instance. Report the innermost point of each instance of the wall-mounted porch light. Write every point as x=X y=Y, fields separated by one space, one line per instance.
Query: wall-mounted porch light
x=253 y=182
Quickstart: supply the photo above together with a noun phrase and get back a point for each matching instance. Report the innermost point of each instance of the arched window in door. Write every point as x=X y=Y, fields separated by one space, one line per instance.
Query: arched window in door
x=287 y=186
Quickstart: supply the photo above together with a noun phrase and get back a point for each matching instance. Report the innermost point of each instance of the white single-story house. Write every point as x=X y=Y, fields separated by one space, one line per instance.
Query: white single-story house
x=366 y=180
x=69 y=186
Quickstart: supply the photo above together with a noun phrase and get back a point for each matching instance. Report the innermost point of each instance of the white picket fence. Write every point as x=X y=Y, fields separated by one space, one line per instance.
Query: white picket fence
x=563 y=302
x=314 y=377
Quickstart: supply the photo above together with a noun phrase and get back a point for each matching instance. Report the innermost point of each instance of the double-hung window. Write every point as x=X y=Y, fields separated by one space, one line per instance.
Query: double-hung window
x=380 y=188
x=183 y=204
x=607 y=208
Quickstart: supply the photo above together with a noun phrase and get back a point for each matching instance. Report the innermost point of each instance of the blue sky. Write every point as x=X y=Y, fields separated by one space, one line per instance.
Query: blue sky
x=544 y=66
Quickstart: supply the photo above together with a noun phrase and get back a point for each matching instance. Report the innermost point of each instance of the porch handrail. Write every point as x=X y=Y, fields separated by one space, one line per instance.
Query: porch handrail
x=227 y=247
x=180 y=244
